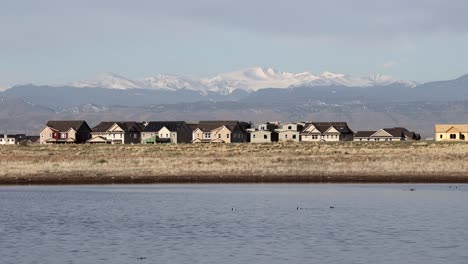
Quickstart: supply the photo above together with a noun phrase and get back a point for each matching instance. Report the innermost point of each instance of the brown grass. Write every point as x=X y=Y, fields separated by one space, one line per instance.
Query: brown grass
x=280 y=162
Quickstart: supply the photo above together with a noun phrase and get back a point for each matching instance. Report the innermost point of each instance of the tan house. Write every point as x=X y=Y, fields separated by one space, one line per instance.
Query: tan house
x=387 y=134
x=290 y=132
x=126 y=132
x=221 y=132
x=451 y=132
x=264 y=133
x=326 y=131
x=67 y=131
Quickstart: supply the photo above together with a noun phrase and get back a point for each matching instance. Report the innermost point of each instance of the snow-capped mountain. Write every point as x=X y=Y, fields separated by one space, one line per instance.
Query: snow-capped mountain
x=250 y=79
x=329 y=79
x=108 y=80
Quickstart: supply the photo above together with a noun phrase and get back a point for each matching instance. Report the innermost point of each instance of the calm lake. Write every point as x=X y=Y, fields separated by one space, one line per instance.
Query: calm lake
x=234 y=224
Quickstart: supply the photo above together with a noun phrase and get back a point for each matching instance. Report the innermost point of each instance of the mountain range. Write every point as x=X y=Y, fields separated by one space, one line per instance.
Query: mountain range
x=250 y=79
x=253 y=94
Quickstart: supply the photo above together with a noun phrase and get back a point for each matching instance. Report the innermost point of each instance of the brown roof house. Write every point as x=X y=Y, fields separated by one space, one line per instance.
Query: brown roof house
x=326 y=131
x=122 y=132
x=221 y=132
x=166 y=132
x=66 y=131
x=451 y=132
x=387 y=134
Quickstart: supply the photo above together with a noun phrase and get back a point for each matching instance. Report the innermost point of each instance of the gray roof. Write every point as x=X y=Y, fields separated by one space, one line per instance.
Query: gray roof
x=364 y=133
x=65 y=125
x=401 y=132
x=324 y=126
x=173 y=126
x=232 y=125
x=127 y=126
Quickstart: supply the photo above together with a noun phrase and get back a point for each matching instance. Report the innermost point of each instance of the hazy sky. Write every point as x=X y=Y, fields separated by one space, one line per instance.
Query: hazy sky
x=59 y=41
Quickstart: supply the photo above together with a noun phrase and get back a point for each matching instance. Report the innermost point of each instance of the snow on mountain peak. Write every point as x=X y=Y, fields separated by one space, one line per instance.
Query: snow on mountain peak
x=108 y=80
x=248 y=79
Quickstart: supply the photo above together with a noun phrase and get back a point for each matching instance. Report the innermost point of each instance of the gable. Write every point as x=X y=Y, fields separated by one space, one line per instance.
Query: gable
x=310 y=128
x=332 y=130
x=48 y=129
x=115 y=128
x=164 y=130
x=197 y=131
x=221 y=129
x=381 y=133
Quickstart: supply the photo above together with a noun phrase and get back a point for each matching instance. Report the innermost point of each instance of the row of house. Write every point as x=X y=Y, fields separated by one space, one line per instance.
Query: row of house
x=132 y=132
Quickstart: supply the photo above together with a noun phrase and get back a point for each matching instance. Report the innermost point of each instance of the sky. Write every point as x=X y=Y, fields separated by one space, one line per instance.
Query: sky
x=60 y=41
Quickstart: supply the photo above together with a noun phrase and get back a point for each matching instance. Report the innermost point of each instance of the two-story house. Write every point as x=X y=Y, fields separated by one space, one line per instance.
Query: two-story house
x=66 y=131
x=122 y=132
x=290 y=131
x=166 y=132
x=264 y=133
x=221 y=132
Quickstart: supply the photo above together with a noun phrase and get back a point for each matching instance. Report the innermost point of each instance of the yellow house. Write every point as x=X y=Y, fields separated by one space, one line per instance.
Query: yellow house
x=451 y=132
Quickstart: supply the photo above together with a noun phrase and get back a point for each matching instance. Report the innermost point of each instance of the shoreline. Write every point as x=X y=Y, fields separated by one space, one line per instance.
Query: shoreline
x=342 y=162
x=199 y=179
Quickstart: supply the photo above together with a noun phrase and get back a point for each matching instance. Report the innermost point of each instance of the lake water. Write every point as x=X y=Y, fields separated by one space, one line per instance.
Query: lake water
x=197 y=224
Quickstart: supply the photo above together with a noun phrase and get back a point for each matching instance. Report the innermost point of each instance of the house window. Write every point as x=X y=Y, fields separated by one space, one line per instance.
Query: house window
x=289 y=127
x=227 y=135
x=294 y=136
x=441 y=136
x=265 y=137
x=453 y=136
x=63 y=135
x=253 y=136
x=42 y=135
x=167 y=135
x=207 y=135
x=285 y=135
x=219 y=135
x=314 y=137
x=134 y=135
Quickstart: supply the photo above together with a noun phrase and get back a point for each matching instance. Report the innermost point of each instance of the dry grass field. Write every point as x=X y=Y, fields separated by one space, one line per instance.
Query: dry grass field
x=217 y=163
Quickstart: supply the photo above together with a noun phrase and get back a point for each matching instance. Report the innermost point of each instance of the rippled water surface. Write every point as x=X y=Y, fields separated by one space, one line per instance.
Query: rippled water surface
x=234 y=224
